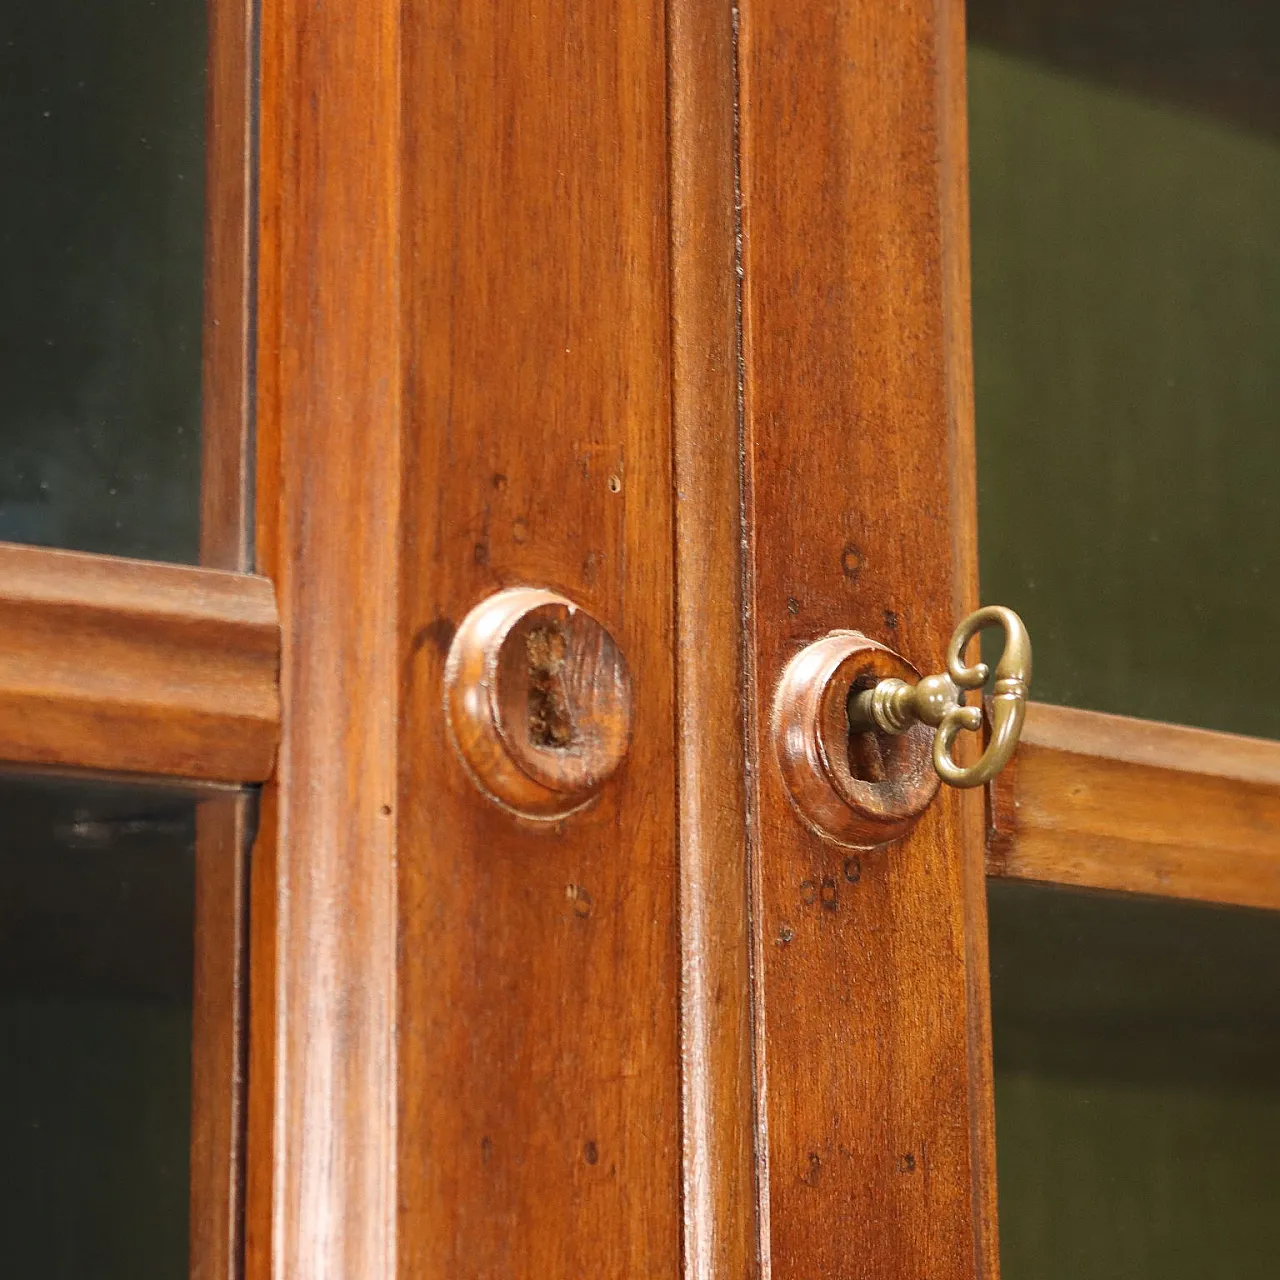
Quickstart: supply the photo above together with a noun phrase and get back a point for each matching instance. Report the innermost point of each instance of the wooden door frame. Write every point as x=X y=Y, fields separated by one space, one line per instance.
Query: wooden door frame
x=336 y=331
x=335 y=239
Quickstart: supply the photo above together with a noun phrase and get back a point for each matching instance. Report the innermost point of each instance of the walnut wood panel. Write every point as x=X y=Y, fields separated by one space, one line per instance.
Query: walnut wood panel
x=718 y=1109
x=871 y=1019
x=133 y=667
x=539 y=962
x=226 y=461
x=218 y=1039
x=321 y=1191
x=1107 y=802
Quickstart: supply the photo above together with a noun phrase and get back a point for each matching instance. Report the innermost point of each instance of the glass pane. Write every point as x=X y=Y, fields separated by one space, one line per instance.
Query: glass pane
x=96 y=914
x=1137 y=1056
x=102 y=134
x=1126 y=292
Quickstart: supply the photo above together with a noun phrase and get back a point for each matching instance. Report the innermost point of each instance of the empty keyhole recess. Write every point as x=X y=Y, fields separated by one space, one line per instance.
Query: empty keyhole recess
x=550 y=724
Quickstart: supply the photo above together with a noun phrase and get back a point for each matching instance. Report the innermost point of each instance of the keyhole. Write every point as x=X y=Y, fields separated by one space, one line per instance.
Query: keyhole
x=550 y=725
x=539 y=701
x=861 y=789
x=865 y=750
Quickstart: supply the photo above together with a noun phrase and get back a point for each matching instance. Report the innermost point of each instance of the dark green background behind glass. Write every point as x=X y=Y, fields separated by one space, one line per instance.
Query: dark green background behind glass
x=1126 y=291
x=96 y=913
x=1137 y=1056
x=1126 y=305
x=101 y=223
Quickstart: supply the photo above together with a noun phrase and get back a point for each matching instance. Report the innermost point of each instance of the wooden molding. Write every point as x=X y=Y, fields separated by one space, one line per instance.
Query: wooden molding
x=1107 y=802
x=718 y=1134
x=320 y=1196
x=226 y=464
x=134 y=667
x=224 y=823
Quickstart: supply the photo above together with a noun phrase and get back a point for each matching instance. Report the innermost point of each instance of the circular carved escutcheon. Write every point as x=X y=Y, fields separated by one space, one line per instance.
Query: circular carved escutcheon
x=538 y=700
x=860 y=789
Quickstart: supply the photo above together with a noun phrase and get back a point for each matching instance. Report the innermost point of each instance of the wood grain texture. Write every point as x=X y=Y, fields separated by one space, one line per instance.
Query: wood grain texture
x=953 y=152
x=538 y=1004
x=1107 y=802
x=224 y=825
x=720 y=1222
x=321 y=1196
x=872 y=1058
x=134 y=667
x=226 y=481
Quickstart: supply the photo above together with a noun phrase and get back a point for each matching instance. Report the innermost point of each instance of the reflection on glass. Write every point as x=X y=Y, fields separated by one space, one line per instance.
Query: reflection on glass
x=1137 y=1055
x=96 y=914
x=102 y=135
x=1126 y=294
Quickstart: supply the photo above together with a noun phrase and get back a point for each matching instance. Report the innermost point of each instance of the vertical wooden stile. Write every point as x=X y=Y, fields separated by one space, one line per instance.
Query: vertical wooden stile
x=872 y=1037
x=224 y=823
x=321 y=1194
x=540 y=965
x=720 y=1219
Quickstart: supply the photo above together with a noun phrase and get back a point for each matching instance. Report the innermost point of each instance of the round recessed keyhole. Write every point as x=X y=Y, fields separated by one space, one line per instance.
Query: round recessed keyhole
x=538 y=698
x=860 y=789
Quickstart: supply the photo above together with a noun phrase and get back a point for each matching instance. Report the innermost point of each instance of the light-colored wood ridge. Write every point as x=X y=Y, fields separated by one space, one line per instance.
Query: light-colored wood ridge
x=135 y=667
x=720 y=1219
x=1107 y=802
x=320 y=1184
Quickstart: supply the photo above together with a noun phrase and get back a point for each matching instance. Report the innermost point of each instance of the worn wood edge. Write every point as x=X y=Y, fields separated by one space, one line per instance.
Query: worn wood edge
x=756 y=697
x=218 y=1044
x=958 y=339
x=87 y=582
x=70 y=729
x=1107 y=803
x=192 y=788
x=226 y=468
x=134 y=667
x=322 y=1134
x=257 y=1219
x=719 y=1191
x=1177 y=747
